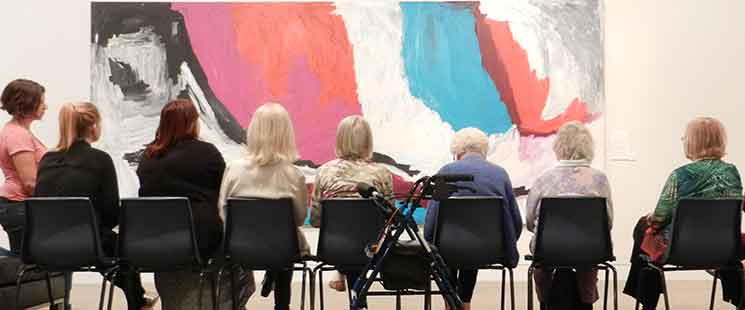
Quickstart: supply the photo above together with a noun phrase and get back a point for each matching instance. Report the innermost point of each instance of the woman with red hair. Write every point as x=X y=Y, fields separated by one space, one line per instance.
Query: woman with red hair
x=177 y=163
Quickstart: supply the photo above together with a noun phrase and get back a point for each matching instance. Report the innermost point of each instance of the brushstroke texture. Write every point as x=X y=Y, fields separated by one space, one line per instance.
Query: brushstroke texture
x=443 y=65
x=523 y=92
x=297 y=54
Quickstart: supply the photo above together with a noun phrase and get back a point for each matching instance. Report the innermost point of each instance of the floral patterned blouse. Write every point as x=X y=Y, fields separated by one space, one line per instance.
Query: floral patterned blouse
x=338 y=179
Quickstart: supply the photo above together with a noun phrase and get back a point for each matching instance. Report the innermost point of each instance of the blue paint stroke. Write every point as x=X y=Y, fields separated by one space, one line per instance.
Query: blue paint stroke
x=442 y=60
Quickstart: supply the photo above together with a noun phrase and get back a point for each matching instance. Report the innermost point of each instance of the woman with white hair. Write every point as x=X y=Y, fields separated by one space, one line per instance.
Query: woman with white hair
x=267 y=171
x=339 y=177
x=469 y=148
x=574 y=149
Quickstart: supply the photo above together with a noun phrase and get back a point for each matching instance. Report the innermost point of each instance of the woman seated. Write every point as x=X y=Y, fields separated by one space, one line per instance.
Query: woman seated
x=75 y=169
x=469 y=147
x=178 y=164
x=338 y=178
x=574 y=148
x=707 y=176
x=267 y=171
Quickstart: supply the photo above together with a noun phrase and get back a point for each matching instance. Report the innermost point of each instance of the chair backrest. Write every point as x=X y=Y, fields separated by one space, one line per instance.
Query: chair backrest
x=573 y=231
x=705 y=233
x=470 y=231
x=157 y=234
x=261 y=233
x=61 y=233
x=348 y=225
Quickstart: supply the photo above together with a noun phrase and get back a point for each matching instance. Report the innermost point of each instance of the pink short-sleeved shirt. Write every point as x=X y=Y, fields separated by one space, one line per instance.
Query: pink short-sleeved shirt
x=15 y=139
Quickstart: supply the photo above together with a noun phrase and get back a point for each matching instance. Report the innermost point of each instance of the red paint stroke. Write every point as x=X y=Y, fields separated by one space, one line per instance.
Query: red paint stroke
x=520 y=89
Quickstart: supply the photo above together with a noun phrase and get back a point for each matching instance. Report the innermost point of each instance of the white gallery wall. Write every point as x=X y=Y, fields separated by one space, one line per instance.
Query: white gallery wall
x=667 y=61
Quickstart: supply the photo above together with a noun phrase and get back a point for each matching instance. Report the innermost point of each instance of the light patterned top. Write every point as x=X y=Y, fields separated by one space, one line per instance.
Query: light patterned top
x=338 y=179
x=569 y=177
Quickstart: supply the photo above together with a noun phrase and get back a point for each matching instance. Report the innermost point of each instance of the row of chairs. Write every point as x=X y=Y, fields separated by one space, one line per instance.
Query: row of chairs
x=157 y=234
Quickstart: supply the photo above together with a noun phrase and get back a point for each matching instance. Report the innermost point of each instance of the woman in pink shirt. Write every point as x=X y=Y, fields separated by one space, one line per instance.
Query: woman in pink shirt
x=20 y=152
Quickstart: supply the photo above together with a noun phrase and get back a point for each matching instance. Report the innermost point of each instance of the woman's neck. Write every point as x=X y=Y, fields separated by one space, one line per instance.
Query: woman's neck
x=25 y=122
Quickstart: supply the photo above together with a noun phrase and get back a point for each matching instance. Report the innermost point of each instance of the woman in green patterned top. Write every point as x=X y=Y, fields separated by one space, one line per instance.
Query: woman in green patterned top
x=707 y=176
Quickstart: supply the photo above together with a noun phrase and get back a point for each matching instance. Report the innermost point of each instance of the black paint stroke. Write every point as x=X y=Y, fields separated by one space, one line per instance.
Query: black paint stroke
x=114 y=18
x=128 y=81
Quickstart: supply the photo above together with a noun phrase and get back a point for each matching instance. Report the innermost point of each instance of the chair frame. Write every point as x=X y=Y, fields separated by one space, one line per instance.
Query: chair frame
x=605 y=266
x=226 y=264
x=495 y=266
x=108 y=272
x=662 y=268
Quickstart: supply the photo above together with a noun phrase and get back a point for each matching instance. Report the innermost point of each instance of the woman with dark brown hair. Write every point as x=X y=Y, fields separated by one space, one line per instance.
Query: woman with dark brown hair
x=177 y=163
x=20 y=153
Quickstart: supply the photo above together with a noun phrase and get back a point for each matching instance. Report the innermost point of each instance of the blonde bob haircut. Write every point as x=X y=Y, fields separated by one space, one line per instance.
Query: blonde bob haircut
x=270 y=138
x=705 y=138
x=469 y=140
x=574 y=142
x=76 y=120
x=354 y=139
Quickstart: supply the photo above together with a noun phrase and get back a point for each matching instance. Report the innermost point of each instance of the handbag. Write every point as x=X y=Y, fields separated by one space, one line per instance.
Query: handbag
x=406 y=267
x=653 y=244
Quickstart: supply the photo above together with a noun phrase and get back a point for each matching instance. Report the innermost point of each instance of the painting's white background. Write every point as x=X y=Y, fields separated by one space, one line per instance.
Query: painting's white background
x=667 y=61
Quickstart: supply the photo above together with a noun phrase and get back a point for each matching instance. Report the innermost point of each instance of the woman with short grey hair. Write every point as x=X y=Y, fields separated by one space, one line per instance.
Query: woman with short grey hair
x=574 y=149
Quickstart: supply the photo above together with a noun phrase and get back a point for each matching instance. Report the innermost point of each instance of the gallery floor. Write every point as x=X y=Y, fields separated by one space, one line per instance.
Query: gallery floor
x=685 y=295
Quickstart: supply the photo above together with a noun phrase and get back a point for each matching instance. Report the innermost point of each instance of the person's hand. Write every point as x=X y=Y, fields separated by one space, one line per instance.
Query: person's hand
x=650 y=218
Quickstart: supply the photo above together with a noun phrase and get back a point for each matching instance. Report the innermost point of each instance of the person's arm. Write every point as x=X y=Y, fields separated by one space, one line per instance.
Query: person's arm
x=532 y=206
x=315 y=200
x=25 y=164
x=108 y=199
x=384 y=184
x=430 y=219
x=663 y=213
x=225 y=188
x=300 y=200
x=517 y=220
x=215 y=167
x=606 y=192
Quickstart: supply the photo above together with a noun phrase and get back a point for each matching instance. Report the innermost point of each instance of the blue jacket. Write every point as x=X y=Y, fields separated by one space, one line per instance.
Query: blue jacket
x=489 y=180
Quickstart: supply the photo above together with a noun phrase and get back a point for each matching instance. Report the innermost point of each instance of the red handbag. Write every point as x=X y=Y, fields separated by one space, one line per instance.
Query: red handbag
x=653 y=244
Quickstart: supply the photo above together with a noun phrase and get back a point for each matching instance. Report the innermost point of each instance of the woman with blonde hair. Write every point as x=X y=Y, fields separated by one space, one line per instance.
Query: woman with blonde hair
x=706 y=176
x=574 y=149
x=76 y=169
x=267 y=171
x=339 y=177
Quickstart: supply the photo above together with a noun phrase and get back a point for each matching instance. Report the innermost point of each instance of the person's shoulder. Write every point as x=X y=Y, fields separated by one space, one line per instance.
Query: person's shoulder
x=14 y=131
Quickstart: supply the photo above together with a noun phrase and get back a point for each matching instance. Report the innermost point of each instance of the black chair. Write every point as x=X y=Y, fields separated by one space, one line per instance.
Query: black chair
x=61 y=235
x=261 y=234
x=348 y=225
x=705 y=236
x=156 y=234
x=573 y=232
x=469 y=234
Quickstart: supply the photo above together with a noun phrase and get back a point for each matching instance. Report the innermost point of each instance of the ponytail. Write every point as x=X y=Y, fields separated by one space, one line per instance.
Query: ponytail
x=75 y=122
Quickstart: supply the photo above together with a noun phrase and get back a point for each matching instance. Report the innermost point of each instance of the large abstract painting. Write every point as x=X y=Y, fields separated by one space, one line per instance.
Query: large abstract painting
x=417 y=71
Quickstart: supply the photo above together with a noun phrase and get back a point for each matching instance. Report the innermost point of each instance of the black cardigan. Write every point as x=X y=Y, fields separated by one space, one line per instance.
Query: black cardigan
x=81 y=171
x=192 y=169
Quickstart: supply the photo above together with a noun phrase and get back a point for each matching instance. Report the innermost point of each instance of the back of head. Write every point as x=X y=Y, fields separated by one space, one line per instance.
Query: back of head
x=77 y=121
x=574 y=142
x=469 y=140
x=22 y=97
x=178 y=122
x=705 y=138
x=354 y=138
x=270 y=138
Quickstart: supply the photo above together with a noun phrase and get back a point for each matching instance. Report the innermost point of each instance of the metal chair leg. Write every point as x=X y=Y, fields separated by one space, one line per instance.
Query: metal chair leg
x=615 y=286
x=530 y=287
x=234 y=287
x=713 y=290
x=428 y=293
x=302 y=290
x=504 y=272
x=398 y=300
x=49 y=290
x=113 y=276
x=320 y=288
x=201 y=290
x=605 y=295
x=512 y=289
x=19 y=278
x=103 y=293
x=215 y=291
x=312 y=288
